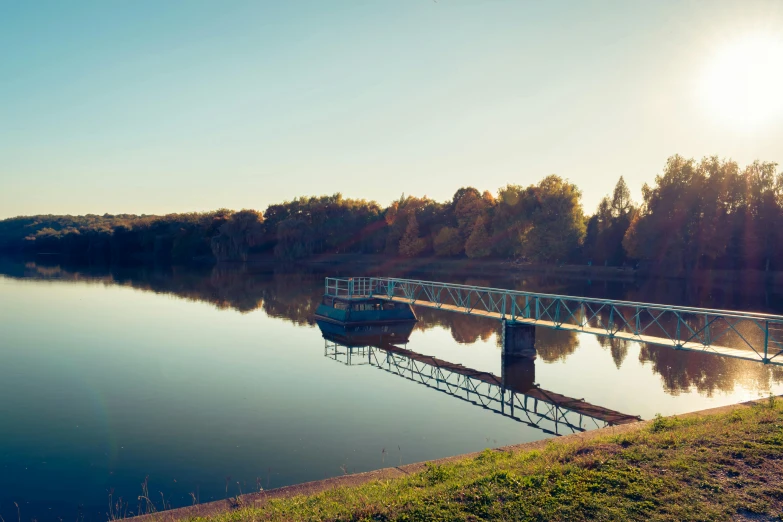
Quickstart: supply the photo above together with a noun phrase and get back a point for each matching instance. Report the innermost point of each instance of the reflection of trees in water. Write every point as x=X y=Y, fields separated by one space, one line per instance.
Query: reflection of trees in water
x=464 y=329
x=294 y=295
x=682 y=371
x=617 y=347
x=555 y=345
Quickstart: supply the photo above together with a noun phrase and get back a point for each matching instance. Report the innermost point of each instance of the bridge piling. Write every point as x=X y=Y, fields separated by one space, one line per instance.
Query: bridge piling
x=519 y=340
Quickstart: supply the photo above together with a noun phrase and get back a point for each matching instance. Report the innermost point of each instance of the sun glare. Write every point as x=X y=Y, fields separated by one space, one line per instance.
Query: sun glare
x=743 y=82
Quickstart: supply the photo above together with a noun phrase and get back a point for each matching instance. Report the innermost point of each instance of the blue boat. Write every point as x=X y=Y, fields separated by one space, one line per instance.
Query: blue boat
x=353 y=311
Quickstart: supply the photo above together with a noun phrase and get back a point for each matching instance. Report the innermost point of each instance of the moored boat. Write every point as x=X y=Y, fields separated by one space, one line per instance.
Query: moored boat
x=363 y=310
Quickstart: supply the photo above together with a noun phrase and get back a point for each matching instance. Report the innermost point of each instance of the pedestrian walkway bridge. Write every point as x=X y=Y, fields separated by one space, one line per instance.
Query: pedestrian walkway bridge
x=743 y=335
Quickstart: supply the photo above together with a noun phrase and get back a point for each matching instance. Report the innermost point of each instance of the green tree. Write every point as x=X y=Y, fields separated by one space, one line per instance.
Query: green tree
x=293 y=240
x=557 y=225
x=685 y=217
x=511 y=220
x=447 y=242
x=243 y=230
x=608 y=226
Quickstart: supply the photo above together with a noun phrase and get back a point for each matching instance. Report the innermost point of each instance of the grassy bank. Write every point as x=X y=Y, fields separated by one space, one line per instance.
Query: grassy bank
x=723 y=466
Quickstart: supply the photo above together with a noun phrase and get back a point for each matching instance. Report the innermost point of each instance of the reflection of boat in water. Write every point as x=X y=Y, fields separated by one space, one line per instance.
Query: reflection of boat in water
x=366 y=334
x=363 y=310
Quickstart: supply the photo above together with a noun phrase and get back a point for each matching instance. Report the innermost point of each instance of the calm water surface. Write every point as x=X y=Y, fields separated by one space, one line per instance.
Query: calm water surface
x=216 y=382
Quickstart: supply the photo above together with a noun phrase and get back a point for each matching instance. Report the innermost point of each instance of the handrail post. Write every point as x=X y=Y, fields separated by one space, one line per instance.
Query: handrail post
x=637 y=321
x=611 y=321
x=706 y=330
x=766 y=341
x=677 y=340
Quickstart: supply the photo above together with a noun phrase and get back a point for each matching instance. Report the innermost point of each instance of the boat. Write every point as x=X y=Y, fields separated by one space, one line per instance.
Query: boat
x=353 y=311
x=359 y=321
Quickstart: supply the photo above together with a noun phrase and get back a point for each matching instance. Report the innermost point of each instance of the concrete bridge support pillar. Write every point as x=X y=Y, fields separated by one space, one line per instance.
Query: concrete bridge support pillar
x=519 y=340
x=519 y=355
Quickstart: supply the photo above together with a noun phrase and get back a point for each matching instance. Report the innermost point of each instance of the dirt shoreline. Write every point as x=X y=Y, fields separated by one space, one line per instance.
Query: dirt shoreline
x=258 y=499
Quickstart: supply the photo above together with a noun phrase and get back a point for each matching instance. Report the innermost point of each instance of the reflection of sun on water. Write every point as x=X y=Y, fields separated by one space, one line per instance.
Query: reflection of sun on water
x=743 y=81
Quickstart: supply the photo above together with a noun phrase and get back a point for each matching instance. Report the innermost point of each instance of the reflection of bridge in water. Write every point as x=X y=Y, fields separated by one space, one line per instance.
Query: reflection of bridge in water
x=513 y=395
x=742 y=335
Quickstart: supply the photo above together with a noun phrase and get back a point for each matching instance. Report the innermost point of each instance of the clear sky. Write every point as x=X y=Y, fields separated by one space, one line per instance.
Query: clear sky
x=155 y=107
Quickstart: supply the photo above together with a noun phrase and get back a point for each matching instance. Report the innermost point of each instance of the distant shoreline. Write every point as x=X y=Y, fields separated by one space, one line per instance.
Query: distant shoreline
x=379 y=264
x=494 y=267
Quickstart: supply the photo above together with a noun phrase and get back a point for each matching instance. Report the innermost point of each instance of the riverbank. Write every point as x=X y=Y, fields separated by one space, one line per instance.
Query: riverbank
x=463 y=267
x=718 y=464
x=380 y=264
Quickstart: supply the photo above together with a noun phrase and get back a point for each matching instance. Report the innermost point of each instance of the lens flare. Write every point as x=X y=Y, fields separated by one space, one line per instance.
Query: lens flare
x=743 y=82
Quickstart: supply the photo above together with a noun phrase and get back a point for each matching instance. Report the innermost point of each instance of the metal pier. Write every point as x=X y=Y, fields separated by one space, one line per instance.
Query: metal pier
x=743 y=335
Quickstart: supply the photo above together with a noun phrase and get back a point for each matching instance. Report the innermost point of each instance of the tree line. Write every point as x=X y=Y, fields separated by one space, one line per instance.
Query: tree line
x=697 y=214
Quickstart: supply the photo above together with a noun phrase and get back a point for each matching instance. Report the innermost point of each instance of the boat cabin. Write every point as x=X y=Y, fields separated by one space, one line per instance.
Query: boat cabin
x=368 y=310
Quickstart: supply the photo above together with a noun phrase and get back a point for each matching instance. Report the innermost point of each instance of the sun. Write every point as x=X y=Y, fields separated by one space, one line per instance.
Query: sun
x=742 y=84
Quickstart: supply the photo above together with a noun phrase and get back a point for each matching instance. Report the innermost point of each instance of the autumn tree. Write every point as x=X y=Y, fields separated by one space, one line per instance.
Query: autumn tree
x=480 y=241
x=469 y=206
x=411 y=245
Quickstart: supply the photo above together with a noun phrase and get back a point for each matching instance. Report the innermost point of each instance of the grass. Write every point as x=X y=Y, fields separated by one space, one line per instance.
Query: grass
x=725 y=466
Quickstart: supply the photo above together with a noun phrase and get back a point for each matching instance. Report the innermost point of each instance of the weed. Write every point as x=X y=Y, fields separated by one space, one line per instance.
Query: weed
x=435 y=473
x=660 y=423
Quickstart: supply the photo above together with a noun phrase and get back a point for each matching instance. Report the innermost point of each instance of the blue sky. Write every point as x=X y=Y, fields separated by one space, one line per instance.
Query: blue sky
x=156 y=107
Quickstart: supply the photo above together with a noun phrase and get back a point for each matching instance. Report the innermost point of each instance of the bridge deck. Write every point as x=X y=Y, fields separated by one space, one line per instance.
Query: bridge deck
x=556 y=399
x=692 y=346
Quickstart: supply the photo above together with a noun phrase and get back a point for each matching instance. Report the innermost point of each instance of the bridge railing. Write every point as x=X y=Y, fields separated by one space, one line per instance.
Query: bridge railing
x=744 y=335
x=348 y=287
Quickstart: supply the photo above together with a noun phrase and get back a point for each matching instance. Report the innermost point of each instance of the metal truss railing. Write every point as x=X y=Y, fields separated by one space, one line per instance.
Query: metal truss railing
x=548 y=417
x=744 y=335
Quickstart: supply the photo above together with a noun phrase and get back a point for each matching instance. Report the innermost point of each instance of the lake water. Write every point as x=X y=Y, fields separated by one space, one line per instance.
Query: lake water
x=208 y=383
